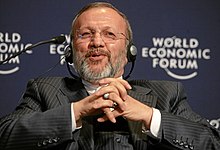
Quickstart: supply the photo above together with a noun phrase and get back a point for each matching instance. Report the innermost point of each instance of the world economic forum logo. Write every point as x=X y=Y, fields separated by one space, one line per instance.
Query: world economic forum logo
x=10 y=44
x=179 y=57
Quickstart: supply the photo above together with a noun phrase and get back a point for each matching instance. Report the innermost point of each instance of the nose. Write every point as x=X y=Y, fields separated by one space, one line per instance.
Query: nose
x=97 y=41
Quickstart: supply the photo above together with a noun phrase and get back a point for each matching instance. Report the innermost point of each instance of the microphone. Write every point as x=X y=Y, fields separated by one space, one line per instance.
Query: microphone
x=58 y=39
x=55 y=40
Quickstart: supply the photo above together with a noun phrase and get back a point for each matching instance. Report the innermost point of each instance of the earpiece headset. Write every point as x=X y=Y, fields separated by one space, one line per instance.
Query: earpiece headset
x=68 y=53
x=131 y=56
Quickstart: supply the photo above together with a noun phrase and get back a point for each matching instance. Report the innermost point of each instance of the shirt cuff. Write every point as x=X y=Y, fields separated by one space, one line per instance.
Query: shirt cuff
x=73 y=120
x=155 y=122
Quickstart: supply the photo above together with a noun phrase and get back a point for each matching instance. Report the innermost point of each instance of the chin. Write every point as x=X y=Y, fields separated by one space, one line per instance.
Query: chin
x=97 y=66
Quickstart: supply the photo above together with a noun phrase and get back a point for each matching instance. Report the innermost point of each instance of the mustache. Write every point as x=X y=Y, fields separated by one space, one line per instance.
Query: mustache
x=96 y=52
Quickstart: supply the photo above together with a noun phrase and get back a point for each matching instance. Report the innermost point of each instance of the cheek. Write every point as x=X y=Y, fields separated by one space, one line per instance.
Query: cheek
x=81 y=47
x=118 y=51
x=119 y=58
x=81 y=50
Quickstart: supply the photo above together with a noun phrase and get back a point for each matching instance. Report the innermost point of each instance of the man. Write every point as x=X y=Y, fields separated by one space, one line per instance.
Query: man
x=101 y=110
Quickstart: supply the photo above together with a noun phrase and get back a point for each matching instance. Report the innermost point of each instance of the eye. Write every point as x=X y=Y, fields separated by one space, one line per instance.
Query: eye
x=109 y=34
x=85 y=34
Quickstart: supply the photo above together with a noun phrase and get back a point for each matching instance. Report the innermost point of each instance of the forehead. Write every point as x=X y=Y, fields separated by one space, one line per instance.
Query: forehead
x=100 y=17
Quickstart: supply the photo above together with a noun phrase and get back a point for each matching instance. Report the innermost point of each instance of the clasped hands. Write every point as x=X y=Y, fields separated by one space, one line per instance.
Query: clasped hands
x=113 y=95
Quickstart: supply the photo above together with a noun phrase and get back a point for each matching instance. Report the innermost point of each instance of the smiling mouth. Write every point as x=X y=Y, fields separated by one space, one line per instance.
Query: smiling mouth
x=97 y=55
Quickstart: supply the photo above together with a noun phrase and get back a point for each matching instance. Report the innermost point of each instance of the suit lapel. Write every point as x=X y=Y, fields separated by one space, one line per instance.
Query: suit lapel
x=72 y=92
x=143 y=95
x=86 y=138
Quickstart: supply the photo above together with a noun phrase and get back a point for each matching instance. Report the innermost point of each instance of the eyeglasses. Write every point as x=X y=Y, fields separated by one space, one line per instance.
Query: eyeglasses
x=86 y=35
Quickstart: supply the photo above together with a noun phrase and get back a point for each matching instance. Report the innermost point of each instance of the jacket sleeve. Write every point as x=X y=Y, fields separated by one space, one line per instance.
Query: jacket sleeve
x=33 y=125
x=184 y=129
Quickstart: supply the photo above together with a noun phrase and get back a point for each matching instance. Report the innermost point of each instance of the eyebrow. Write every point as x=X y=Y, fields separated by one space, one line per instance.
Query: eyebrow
x=91 y=28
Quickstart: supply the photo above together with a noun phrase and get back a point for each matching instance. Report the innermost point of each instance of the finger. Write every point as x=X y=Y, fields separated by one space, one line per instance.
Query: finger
x=102 y=119
x=121 y=89
x=91 y=105
x=106 y=89
x=117 y=99
x=115 y=113
x=109 y=80
x=119 y=84
x=100 y=103
x=109 y=115
x=115 y=87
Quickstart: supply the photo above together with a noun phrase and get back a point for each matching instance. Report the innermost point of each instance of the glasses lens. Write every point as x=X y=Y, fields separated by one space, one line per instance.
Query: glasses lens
x=107 y=36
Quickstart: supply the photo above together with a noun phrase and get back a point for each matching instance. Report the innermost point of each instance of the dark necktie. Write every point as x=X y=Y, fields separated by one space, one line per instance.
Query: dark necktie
x=107 y=126
x=108 y=135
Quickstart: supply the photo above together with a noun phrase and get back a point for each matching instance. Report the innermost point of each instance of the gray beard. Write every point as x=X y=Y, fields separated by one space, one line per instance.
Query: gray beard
x=82 y=66
x=93 y=76
x=85 y=72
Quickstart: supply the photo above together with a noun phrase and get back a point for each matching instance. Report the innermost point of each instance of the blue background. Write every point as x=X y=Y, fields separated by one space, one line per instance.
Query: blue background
x=43 y=19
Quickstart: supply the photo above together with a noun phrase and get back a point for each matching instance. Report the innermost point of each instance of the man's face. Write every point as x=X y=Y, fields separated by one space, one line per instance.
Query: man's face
x=99 y=44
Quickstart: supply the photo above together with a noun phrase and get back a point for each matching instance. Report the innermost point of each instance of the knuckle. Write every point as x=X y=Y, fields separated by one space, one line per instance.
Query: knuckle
x=97 y=94
x=96 y=105
x=110 y=103
x=114 y=96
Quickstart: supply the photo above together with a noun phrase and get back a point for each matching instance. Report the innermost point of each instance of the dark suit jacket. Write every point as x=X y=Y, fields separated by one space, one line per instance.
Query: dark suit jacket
x=43 y=120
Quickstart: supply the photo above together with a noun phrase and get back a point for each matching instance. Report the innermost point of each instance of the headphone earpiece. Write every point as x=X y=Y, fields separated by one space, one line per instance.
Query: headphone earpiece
x=68 y=54
x=131 y=52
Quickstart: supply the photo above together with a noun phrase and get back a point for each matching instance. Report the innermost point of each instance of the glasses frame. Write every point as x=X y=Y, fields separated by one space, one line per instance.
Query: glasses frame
x=106 y=36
